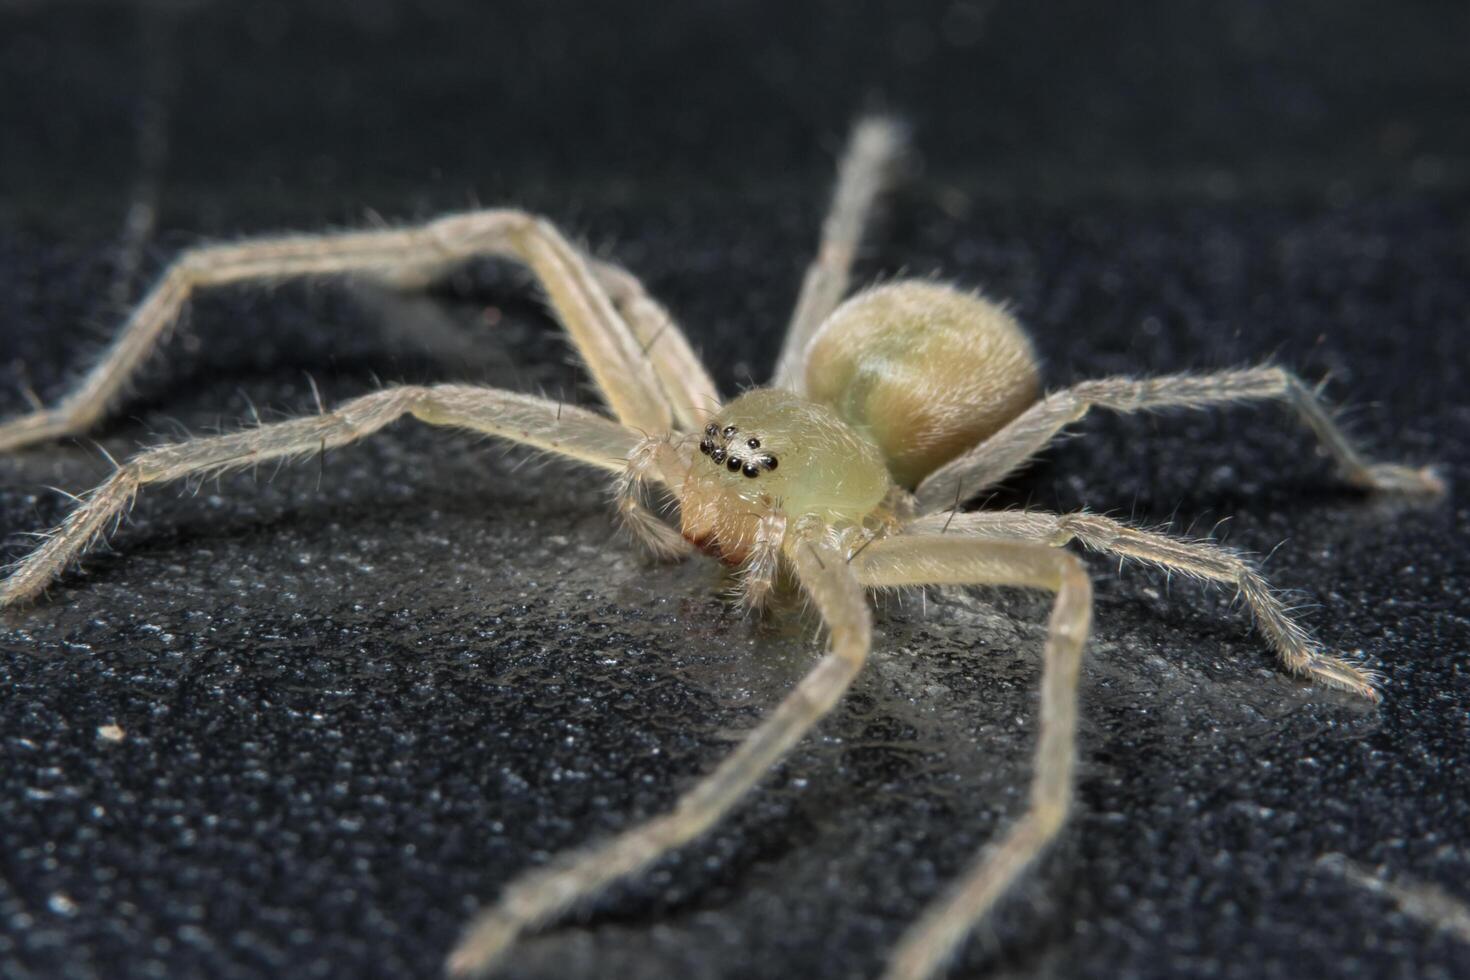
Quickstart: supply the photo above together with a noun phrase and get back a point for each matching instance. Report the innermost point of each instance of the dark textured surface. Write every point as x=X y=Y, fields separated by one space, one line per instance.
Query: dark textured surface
x=358 y=698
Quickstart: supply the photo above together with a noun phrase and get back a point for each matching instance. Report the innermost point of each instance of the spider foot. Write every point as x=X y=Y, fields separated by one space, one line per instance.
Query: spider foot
x=482 y=947
x=1343 y=675
x=1395 y=478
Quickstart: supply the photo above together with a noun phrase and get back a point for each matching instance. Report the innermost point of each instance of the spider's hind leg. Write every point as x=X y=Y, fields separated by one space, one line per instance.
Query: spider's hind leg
x=867 y=167
x=992 y=460
x=1206 y=561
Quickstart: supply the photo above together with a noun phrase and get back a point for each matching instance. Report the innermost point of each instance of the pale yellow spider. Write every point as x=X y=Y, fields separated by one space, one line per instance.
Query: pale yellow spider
x=887 y=412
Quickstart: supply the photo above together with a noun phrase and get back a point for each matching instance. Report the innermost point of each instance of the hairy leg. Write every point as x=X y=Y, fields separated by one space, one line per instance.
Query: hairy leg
x=653 y=459
x=693 y=395
x=996 y=457
x=866 y=168
x=543 y=894
x=955 y=560
x=1298 y=652
x=562 y=429
x=758 y=573
x=617 y=361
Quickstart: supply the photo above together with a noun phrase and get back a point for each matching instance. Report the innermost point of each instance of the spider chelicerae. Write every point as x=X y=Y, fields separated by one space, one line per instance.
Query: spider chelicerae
x=887 y=412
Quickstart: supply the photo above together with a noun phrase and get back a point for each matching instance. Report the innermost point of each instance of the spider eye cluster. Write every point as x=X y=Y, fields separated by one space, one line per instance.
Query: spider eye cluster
x=723 y=446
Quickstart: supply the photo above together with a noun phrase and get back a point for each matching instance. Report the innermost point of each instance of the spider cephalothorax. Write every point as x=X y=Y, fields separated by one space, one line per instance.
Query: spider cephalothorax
x=886 y=413
x=772 y=454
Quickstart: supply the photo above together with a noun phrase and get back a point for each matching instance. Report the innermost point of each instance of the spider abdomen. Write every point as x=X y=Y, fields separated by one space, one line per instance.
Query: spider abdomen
x=926 y=371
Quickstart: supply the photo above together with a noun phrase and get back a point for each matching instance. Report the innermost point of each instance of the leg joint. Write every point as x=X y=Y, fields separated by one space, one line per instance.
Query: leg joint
x=456 y=234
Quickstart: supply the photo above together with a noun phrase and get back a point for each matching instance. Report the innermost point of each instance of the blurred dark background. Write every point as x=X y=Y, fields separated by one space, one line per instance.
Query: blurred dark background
x=1069 y=98
x=357 y=698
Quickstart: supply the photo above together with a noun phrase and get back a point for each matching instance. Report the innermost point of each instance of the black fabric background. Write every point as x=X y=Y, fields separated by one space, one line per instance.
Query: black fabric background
x=360 y=697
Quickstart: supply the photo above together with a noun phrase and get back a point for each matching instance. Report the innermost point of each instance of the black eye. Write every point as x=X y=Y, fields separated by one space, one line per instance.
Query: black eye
x=751 y=470
x=705 y=447
x=733 y=463
x=711 y=429
x=730 y=430
x=717 y=454
x=753 y=443
x=770 y=462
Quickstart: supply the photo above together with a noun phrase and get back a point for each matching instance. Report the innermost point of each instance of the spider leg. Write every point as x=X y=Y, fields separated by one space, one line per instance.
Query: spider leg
x=996 y=457
x=579 y=875
x=1298 y=652
x=572 y=432
x=648 y=380
x=651 y=456
x=693 y=395
x=953 y=560
x=758 y=573
x=867 y=167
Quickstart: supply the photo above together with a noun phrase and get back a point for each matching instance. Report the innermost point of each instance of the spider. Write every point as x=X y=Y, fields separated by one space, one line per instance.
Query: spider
x=888 y=411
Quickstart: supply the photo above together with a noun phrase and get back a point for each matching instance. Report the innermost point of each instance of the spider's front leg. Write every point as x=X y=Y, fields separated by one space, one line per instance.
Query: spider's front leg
x=916 y=560
x=543 y=894
x=991 y=461
x=643 y=365
x=561 y=429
